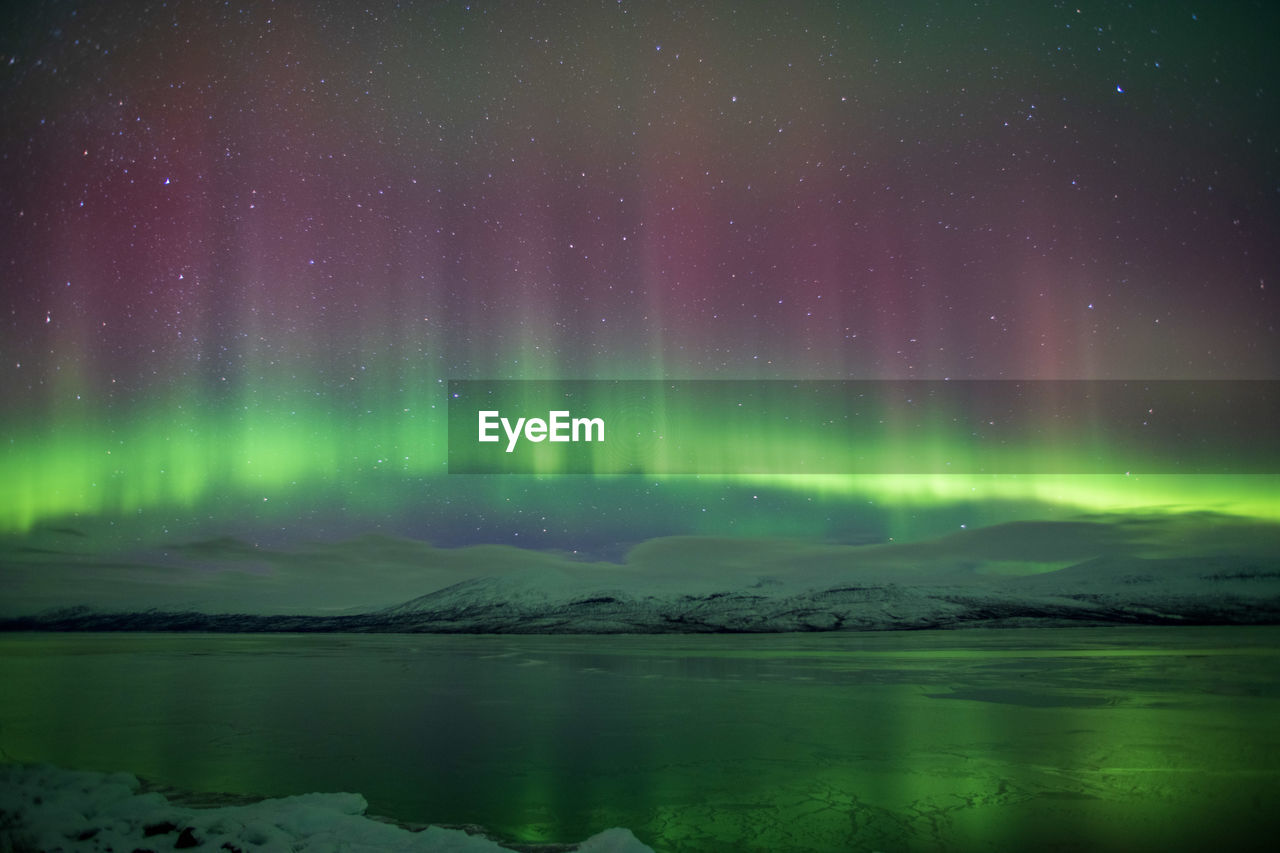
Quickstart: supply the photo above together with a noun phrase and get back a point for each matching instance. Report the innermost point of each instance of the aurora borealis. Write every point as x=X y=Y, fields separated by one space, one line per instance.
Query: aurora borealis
x=906 y=322
x=246 y=246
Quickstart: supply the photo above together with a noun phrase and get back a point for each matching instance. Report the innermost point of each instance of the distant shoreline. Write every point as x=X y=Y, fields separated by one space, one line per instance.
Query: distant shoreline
x=1013 y=617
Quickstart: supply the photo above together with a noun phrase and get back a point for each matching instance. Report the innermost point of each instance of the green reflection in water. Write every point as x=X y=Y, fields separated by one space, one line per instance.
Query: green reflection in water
x=1094 y=738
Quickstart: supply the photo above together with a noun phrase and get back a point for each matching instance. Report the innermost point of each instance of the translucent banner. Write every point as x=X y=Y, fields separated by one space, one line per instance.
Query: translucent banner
x=863 y=427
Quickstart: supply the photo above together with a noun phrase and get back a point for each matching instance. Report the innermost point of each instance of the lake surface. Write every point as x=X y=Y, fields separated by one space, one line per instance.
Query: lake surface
x=1117 y=738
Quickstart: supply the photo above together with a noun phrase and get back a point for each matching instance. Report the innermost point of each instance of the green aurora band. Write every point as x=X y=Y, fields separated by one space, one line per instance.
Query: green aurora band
x=305 y=449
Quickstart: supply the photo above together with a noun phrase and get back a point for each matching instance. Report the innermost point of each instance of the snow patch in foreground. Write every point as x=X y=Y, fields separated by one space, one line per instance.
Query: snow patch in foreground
x=50 y=809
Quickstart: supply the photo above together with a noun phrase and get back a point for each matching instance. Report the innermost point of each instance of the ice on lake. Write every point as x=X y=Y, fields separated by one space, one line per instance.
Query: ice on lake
x=1081 y=738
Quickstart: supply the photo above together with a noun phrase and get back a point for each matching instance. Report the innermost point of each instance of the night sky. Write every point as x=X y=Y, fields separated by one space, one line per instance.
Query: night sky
x=245 y=245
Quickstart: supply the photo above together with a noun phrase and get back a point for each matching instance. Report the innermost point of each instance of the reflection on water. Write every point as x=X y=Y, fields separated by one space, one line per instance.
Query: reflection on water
x=1139 y=738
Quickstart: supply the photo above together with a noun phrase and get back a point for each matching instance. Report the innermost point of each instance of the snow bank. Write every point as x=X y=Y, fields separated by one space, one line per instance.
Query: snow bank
x=49 y=809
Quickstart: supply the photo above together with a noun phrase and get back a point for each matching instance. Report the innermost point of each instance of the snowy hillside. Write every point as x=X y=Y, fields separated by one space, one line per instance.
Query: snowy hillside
x=819 y=593
x=1228 y=590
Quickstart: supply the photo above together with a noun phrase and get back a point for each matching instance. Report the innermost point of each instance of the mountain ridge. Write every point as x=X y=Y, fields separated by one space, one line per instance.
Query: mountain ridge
x=1225 y=589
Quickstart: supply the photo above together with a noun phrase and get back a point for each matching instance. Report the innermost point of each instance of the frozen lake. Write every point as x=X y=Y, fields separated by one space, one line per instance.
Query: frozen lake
x=1116 y=738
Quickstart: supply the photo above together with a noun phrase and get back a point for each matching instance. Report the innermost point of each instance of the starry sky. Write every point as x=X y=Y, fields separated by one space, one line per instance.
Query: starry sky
x=246 y=245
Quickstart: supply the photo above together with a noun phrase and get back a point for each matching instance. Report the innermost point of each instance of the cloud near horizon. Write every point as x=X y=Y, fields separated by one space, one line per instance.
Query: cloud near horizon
x=228 y=574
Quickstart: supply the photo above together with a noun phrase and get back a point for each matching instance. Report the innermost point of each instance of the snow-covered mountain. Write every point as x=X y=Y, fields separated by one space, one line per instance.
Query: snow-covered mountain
x=1225 y=589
